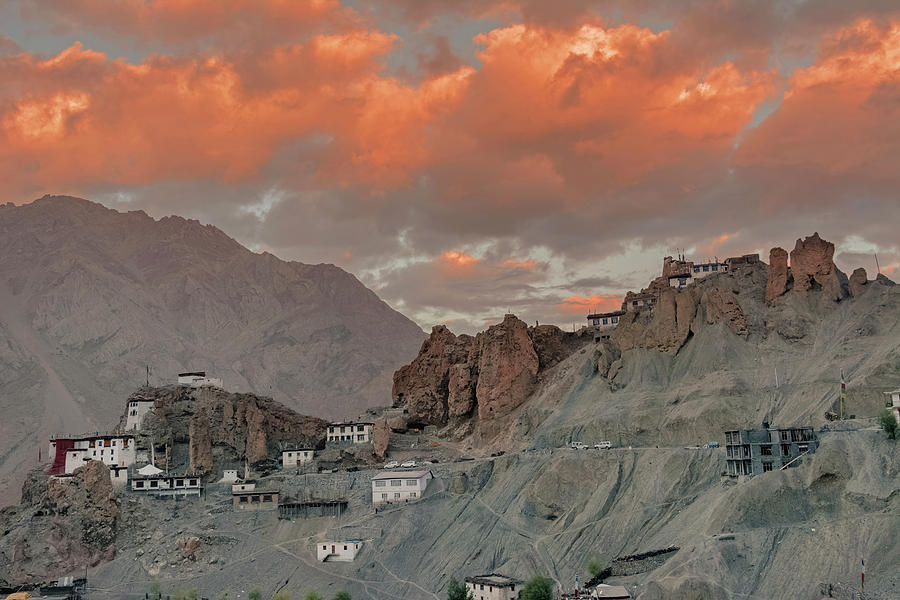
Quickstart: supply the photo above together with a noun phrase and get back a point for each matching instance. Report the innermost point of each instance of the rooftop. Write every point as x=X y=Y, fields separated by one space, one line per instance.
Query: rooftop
x=339 y=423
x=89 y=436
x=615 y=313
x=402 y=474
x=610 y=591
x=493 y=579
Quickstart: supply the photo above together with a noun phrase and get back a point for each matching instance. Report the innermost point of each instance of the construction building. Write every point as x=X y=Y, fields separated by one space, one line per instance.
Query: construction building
x=344 y=434
x=749 y=452
x=255 y=500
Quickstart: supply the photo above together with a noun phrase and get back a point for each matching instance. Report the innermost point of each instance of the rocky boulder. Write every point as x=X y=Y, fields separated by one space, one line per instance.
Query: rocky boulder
x=381 y=436
x=812 y=267
x=87 y=502
x=858 y=281
x=779 y=275
x=667 y=330
x=507 y=367
x=188 y=547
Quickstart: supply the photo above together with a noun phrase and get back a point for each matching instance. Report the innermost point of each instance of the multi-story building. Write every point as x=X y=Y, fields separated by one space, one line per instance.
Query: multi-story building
x=135 y=411
x=607 y=320
x=349 y=433
x=255 y=500
x=493 y=587
x=399 y=486
x=70 y=452
x=754 y=451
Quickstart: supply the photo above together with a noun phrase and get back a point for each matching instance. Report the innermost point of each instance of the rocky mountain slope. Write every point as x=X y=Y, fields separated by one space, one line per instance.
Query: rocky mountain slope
x=90 y=296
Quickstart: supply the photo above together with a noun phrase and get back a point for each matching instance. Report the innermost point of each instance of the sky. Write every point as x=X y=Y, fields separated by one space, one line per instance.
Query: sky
x=468 y=158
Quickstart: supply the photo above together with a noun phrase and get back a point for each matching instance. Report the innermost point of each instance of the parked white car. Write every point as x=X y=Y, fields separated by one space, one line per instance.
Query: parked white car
x=578 y=445
x=408 y=464
x=391 y=465
x=603 y=446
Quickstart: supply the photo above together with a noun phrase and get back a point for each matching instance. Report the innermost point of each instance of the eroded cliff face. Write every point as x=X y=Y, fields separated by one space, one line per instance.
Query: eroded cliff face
x=220 y=427
x=488 y=375
x=812 y=266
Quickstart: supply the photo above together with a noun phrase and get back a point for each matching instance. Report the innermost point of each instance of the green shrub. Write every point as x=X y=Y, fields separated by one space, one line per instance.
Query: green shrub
x=888 y=422
x=537 y=588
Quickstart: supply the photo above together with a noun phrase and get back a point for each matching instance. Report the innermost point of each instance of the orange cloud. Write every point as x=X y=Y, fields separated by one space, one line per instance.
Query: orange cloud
x=582 y=305
x=458 y=259
x=840 y=115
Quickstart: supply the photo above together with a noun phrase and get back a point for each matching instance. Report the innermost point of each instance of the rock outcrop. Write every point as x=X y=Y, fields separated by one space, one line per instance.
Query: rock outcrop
x=221 y=427
x=779 y=275
x=488 y=375
x=667 y=330
x=87 y=503
x=858 y=281
x=722 y=306
x=812 y=266
x=507 y=367
x=381 y=437
x=423 y=385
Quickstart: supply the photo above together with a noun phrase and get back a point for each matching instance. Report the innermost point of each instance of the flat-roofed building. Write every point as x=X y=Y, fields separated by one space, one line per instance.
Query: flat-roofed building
x=255 y=500
x=167 y=485
x=607 y=320
x=299 y=456
x=349 y=433
x=331 y=551
x=753 y=451
x=196 y=379
x=893 y=403
x=399 y=486
x=493 y=586
x=135 y=411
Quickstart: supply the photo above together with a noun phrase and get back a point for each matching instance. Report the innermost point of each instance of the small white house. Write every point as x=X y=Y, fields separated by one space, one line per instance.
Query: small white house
x=196 y=379
x=229 y=476
x=399 y=486
x=292 y=458
x=680 y=281
x=893 y=403
x=135 y=411
x=606 y=320
x=329 y=551
x=350 y=433
x=167 y=485
x=148 y=470
x=118 y=476
x=493 y=587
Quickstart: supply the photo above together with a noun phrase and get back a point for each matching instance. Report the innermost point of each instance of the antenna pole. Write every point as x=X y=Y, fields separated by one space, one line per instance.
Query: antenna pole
x=877 y=266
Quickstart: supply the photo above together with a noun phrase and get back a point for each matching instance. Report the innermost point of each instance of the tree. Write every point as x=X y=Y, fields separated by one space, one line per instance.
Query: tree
x=312 y=596
x=537 y=588
x=342 y=595
x=255 y=594
x=282 y=596
x=458 y=591
x=888 y=422
x=155 y=591
x=595 y=566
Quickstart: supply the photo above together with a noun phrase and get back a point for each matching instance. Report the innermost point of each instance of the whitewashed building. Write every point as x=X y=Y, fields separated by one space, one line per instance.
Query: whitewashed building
x=893 y=403
x=167 y=485
x=292 y=458
x=242 y=486
x=399 y=486
x=229 y=476
x=329 y=551
x=350 y=433
x=198 y=379
x=135 y=411
x=70 y=452
x=606 y=320
x=118 y=476
x=680 y=281
x=493 y=587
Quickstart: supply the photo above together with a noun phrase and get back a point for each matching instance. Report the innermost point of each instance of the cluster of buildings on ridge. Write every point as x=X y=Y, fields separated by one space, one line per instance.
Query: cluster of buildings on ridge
x=676 y=273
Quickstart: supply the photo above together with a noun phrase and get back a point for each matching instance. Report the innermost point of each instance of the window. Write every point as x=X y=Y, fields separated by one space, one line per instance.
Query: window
x=706 y=267
x=765 y=450
x=139 y=484
x=290 y=454
x=379 y=483
x=784 y=436
x=154 y=484
x=107 y=443
x=384 y=496
x=412 y=482
x=360 y=437
x=615 y=319
x=193 y=482
x=396 y=482
x=696 y=269
x=634 y=303
x=412 y=494
x=606 y=321
x=396 y=494
x=767 y=466
x=345 y=547
x=360 y=428
x=268 y=498
x=324 y=547
x=786 y=449
x=179 y=482
x=715 y=267
x=242 y=499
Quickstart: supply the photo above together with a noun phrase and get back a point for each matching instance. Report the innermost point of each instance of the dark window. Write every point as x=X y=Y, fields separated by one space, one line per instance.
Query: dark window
x=268 y=498
x=193 y=482
x=706 y=267
x=615 y=319
x=786 y=449
x=765 y=450
x=359 y=428
x=139 y=484
x=154 y=484
x=767 y=466
x=243 y=499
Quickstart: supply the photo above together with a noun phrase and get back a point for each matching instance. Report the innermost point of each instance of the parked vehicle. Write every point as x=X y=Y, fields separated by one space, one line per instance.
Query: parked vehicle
x=578 y=445
x=408 y=464
x=391 y=465
x=711 y=445
x=603 y=446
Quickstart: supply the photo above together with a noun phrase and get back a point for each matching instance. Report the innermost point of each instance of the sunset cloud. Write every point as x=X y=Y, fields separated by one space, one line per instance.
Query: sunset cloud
x=468 y=158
